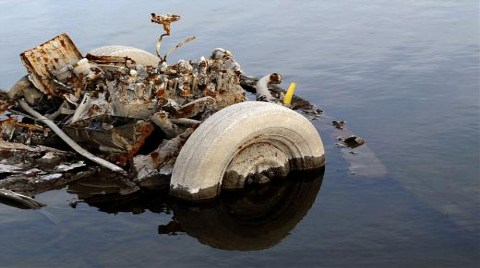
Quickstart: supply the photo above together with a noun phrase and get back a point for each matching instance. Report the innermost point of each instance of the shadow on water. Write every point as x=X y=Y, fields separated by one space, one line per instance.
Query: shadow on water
x=255 y=218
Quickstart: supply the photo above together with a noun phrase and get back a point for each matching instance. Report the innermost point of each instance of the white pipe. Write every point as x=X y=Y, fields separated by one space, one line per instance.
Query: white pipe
x=69 y=140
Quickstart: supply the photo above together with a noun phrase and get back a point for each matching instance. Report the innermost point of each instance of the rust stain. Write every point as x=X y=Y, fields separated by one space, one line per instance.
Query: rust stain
x=165 y=20
x=5 y=105
x=160 y=92
x=275 y=78
x=39 y=64
x=155 y=158
x=115 y=60
x=143 y=131
x=31 y=126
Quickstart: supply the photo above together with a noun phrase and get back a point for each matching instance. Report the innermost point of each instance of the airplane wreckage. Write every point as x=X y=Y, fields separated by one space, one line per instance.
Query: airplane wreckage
x=124 y=113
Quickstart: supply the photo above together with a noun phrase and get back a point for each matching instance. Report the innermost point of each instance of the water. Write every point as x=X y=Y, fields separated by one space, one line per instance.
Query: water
x=403 y=74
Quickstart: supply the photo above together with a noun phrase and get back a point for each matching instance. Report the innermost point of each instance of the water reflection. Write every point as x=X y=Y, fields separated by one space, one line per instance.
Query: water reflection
x=258 y=217
x=254 y=219
x=107 y=194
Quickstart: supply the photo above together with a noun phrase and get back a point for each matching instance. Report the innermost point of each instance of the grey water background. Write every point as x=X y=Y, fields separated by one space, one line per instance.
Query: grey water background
x=403 y=74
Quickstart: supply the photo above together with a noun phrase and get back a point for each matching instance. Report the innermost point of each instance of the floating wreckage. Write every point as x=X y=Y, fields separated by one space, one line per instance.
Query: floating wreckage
x=144 y=120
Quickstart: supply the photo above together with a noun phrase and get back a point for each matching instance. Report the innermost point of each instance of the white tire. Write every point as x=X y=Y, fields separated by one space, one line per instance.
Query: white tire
x=138 y=55
x=241 y=140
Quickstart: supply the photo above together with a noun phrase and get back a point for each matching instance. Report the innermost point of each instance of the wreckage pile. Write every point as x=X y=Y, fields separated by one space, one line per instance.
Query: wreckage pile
x=112 y=105
x=129 y=111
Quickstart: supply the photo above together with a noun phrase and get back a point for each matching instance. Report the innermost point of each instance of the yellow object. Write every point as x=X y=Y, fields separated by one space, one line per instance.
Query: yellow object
x=287 y=100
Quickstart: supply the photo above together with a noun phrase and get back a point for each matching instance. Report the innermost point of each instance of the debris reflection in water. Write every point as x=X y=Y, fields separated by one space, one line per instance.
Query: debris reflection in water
x=255 y=218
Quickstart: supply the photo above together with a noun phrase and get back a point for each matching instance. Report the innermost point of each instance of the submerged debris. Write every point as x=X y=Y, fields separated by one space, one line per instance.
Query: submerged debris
x=277 y=93
x=120 y=107
x=352 y=141
x=338 y=124
x=34 y=169
x=19 y=200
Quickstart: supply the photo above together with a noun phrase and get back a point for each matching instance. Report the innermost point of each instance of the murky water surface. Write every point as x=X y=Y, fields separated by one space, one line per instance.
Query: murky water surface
x=403 y=74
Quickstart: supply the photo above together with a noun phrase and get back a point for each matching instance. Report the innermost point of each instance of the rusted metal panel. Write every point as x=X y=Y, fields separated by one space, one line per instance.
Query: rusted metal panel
x=43 y=61
x=12 y=129
x=121 y=137
x=165 y=20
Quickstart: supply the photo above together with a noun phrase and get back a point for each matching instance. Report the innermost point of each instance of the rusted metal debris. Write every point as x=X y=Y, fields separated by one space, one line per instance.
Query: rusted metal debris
x=277 y=93
x=351 y=141
x=134 y=115
x=338 y=124
x=19 y=200
x=165 y=20
x=30 y=170
x=49 y=59
x=120 y=138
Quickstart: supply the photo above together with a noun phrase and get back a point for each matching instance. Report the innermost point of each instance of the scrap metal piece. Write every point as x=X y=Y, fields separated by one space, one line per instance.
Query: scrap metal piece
x=163 y=122
x=298 y=103
x=197 y=106
x=103 y=183
x=159 y=162
x=351 y=141
x=179 y=45
x=7 y=128
x=186 y=122
x=68 y=167
x=13 y=129
x=35 y=181
x=5 y=102
x=19 y=200
x=13 y=147
x=9 y=169
x=47 y=58
x=171 y=106
x=165 y=20
x=121 y=137
x=338 y=124
x=120 y=61
x=19 y=87
x=69 y=140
